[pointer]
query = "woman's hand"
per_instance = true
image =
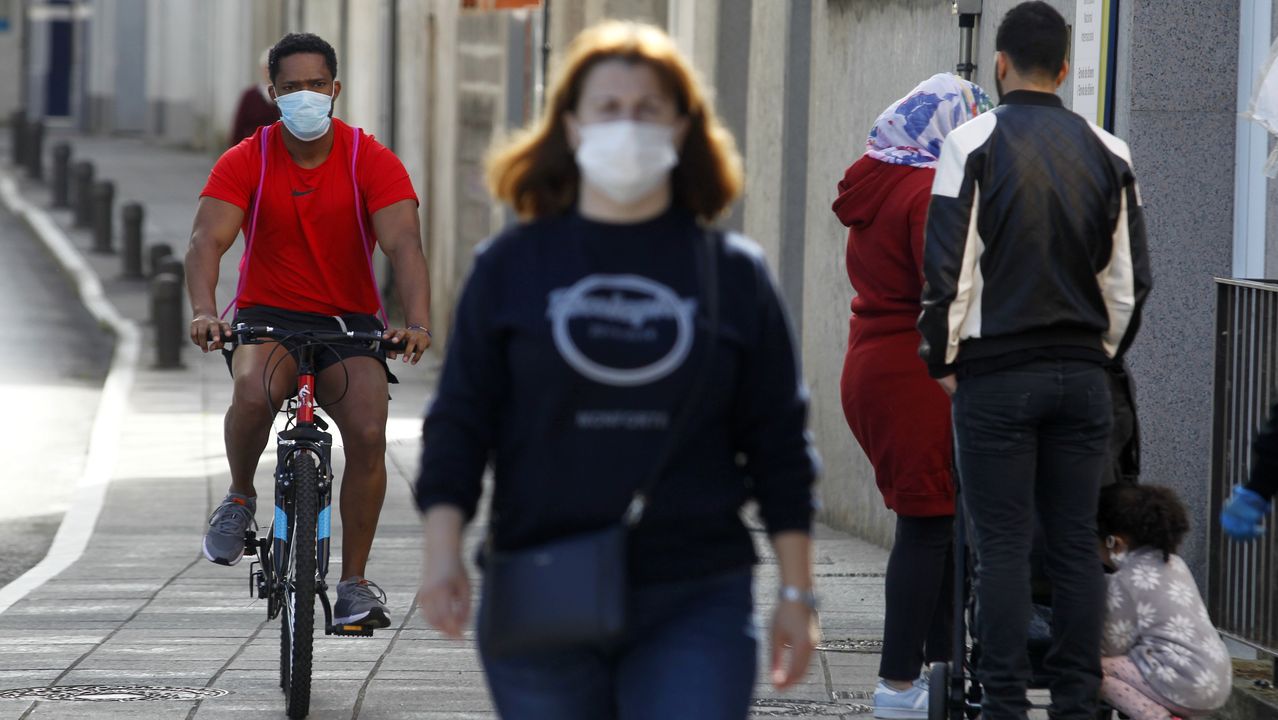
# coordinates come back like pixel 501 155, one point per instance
pixel 445 591
pixel 793 640
pixel 794 629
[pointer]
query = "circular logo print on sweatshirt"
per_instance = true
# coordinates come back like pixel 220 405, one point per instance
pixel 621 330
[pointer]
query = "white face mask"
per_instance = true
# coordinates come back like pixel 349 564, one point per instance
pixel 305 113
pixel 626 160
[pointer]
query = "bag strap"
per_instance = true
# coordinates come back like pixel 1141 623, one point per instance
pixel 708 268
pixel 363 232
pixel 252 232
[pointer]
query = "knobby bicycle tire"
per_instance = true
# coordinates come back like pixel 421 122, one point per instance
pixel 298 624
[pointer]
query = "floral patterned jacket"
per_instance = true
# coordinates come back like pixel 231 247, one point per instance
pixel 1157 618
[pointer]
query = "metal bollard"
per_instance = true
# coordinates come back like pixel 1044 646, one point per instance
pixel 18 137
pixel 82 182
pixel 131 241
pixel 166 308
pixel 34 152
pixel 61 175
pixel 103 206
pixel 172 265
pixel 156 253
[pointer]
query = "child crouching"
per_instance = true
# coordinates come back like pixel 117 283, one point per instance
pixel 1162 657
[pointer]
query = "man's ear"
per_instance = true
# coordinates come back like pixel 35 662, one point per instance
pixel 270 90
pixel 337 90
pixel 1000 65
pixel 1064 73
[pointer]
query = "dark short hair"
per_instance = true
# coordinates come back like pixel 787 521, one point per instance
pixel 1147 515
pixel 296 43
pixel 1034 37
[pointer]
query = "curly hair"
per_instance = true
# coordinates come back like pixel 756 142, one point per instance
pixel 295 43
pixel 1146 515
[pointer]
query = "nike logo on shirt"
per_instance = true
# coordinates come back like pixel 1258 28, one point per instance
pixel 297 193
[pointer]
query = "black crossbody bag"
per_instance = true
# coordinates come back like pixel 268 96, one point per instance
pixel 573 592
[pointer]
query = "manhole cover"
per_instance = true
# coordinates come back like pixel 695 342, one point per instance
pixel 805 708
pixel 852 645
pixel 109 693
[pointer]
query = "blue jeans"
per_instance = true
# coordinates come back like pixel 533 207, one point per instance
pixel 690 653
pixel 1033 440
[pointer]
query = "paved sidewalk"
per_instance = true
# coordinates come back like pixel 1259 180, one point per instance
pixel 142 607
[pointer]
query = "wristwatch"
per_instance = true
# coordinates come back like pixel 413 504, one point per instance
pixel 790 593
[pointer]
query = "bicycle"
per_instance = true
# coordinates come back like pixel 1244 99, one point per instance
pixel 292 563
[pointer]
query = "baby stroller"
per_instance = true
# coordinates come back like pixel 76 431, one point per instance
pixel 954 692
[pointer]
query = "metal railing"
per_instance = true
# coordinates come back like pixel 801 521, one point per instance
pixel 1242 584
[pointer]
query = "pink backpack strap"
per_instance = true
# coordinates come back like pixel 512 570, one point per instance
pixel 363 232
pixel 252 232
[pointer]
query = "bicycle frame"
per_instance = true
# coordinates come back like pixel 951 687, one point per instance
pixel 307 434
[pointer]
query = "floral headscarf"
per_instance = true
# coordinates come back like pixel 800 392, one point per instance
pixel 912 130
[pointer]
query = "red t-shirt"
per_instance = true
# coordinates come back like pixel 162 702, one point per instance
pixel 307 254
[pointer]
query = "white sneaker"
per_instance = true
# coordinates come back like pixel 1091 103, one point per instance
pixel 908 704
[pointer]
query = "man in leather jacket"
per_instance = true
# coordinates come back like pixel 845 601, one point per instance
pixel 1036 272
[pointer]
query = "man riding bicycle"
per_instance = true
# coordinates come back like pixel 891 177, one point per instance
pixel 312 195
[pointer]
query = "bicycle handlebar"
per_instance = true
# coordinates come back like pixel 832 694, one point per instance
pixel 251 334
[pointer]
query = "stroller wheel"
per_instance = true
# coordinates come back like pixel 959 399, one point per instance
pixel 938 693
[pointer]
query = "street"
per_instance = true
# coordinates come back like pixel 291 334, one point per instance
pixel 53 358
pixel 997 194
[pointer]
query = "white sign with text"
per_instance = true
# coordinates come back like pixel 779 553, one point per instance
pixel 1087 60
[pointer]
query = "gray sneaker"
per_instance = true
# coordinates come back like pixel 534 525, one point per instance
pixel 224 541
pixel 360 602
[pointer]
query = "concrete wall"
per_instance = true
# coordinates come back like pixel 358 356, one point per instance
pixel 1183 65
pixel 1271 224
pixel 774 139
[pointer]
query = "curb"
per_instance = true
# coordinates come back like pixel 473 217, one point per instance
pixel 90 490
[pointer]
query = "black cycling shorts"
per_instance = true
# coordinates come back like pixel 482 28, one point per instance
pixel 325 356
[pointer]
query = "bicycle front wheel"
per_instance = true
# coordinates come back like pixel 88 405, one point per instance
pixel 297 626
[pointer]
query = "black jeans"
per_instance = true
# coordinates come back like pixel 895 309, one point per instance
pixel 1034 438
pixel 919 619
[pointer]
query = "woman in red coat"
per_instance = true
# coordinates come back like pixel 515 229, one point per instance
pixel 899 415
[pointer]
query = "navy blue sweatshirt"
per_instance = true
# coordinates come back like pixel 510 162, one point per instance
pixel 574 343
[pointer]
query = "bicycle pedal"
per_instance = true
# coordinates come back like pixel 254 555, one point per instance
pixel 350 630
pixel 250 542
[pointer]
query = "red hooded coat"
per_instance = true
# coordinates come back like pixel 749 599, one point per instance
pixel 899 415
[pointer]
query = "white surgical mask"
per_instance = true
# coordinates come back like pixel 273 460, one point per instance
pixel 305 113
pixel 626 160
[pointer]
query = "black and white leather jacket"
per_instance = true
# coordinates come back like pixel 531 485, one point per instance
pixel 1035 241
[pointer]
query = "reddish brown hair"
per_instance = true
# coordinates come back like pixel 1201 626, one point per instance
pixel 535 171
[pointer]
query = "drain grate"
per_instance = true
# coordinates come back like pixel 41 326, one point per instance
pixel 853 695
pixel 805 708
pixel 110 693
pixel 852 645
